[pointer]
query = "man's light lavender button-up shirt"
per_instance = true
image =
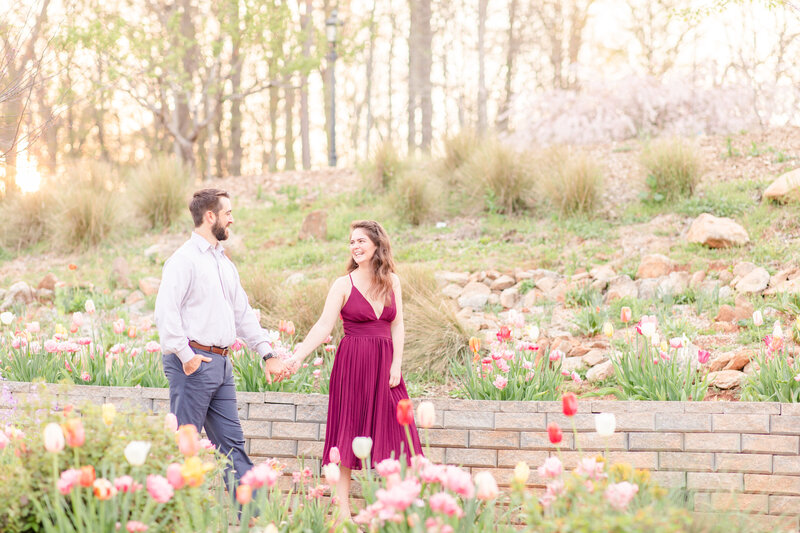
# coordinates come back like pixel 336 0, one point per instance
pixel 201 299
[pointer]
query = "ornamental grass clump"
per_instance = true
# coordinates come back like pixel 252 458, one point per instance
pixel 512 368
pixel 778 375
pixel 571 180
pixel 673 169
pixel 648 368
pixel 160 190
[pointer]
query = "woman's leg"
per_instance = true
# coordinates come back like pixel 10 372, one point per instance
pixel 343 494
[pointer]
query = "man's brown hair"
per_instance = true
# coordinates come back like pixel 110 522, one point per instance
pixel 205 200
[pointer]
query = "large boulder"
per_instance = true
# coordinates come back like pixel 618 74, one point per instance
pixel 502 282
pixel 600 372
pixel 20 292
pixel 725 379
pixel 48 282
pixel 120 273
pixel 474 295
pixel 149 285
pixel 716 232
pixel 620 287
pixel 785 187
pixel 315 226
pixel 753 282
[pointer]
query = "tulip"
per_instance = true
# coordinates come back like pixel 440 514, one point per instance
pixel 174 476
pixel 605 423
pixel 332 473
pixel 554 433
pixel 777 332
pixel 500 382
pixel 53 438
pixel 109 411
pixel 159 488
pixel 334 455
pixel 103 489
pixel 532 332
pixel 74 433
pixel 136 527
pixel 475 344
pixel 271 528
pixel 405 412
pixel 244 494
pixel 504 333
pixel 608 329
pixel 569 404
pixel 486 486
pixel 87 476
pixel 194 471
pixel 521 472
pixel 648 325
pixel 136 452
pixel 702 356
pixel 426 415
pixel 170 423
pixel 132 332
pixel 362 446
pixel 625 314
pixel 758 320
pixel 7 317
pixel 290 328
pixel 188 440
pixel 89 306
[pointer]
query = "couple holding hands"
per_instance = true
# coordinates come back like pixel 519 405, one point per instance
pixel 201 309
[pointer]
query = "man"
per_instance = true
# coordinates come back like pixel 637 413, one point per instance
pixel 201 309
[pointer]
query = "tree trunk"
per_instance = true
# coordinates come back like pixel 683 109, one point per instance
pixel 413 72
pixel 274 97
pixel 370 55
pixel 235 166
pixel 511 55
pixel 482 119
pixel 419 77
pixel 307 30
pixel 426 88
pixel 288 142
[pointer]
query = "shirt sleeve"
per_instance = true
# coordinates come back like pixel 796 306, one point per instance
pixel 175 280
pixel 247 326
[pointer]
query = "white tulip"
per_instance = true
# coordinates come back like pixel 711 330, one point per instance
pixel 7 317
pixel 426 414
pixel 53 438
pixel 605 423
pixel 532 332
pixel 362 446
pixel 777 332
pixel 332 473
pixel 758 319
pixel 136 452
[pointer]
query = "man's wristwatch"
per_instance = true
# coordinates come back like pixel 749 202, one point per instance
pixel 269 355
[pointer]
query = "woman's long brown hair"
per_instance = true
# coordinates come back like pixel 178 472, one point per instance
pixel 382 262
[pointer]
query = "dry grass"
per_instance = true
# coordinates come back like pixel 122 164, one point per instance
pixel 160 189
pixel 383 168
pixel 673 168
pixel 457 150
pixel 434 334
pixel 415 195
pixel 26 219
pixel 572 181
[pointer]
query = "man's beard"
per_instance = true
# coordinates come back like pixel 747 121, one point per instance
pixel 219 231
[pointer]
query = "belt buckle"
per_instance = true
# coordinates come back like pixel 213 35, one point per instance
pixel 224 351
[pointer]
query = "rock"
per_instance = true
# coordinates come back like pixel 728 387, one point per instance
pixel 134 297
pixel 697 278
pixel 294 279
pixel 725 293
pixel 452 290
pixel 784 187
pixel 315 226
pixel 492 274
pixel 654 266
pixel 675 283
pixel 750 368
pixel 739 360
pixel 743 268
pixel 708 287
pixel 503 282
pixel 159 252
pixel 647 288
pixel 457 278
pixel 149 286
pixel 509 297
pixel 594 357
pixel 725 327
pixel 753 282
pixel 725 379
pixel 48 282
pixel 559 292
pixel 744 309
pixel 494 299
pixel 726 313
pixel 726 277
pixel 120 273
pixel 719 361
pixel 603 273
pixel 570 364
pixel 474 294
pixel 789 286
pixel 20 292
pixel 521 275
pixel 532 297
pixel 716 232
pixel 600 372
pixel 621 287
pixel 546 284
pixel 45 295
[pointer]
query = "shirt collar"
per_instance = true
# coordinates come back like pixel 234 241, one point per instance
pixel 203 245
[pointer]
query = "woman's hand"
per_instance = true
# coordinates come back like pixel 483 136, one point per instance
pixel 394 375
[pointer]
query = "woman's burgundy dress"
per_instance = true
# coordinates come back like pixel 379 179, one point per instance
pixel 360 402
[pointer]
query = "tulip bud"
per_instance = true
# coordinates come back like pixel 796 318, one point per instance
pixel 426 415
pixel 475 344
pixel 54 440
pixel 758 319
pixel 486 486
pixel 605 423
pixel 334 455
pixel 777 332
pixel 521 472
pixel 625 314
pixel 332 473
pixel 554 433
pixel 569 404
pixel 170 423
pixel 608 329
pixel 405 412
pixel 109 411
pixel 362 446
pixel 244 494
pixel 136 452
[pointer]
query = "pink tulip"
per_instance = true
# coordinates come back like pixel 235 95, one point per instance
pixel 32 327
pixel 188 440
pixel 50 346
pixel 119 326
pixel 68 480
pixel 442 502
pixel 152 347
pixel 486 486
pixel 703 356
pixel 159 488
pixel 136 527
pixel 170 423
pixel 332 473
pixel 388 467
pixel 459 482
pixel 126 484
pixel 334 456
pixel 426 415
pixel 556 355
pixel 625 314
pixel 590 467
pixel 318 361
pixel 174 476
pixel 261 475
pixel 619 495
pixel 552 468
pixel 500 382
pixel 54 440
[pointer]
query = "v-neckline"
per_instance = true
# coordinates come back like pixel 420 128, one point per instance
pixel 377 316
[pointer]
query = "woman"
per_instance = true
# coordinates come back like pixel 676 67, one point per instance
pixel 366 382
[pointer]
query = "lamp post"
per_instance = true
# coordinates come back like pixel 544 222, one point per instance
pixel 330 32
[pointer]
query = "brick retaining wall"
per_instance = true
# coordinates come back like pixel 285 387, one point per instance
pixel 745 455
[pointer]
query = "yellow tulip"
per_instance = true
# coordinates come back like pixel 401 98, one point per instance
pixel 194 471
pixel 521 472
pixel 109 412
pixel 608 329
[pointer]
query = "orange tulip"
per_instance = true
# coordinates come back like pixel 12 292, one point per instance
pixel 132 332
pixel 74 434
pixel 188 440
pixel 87 476
pixel 625 314
pixel 475 344
pixel 244 493
pixel 405 412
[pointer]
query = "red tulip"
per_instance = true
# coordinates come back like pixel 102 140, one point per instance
pixel 569 404
pixel 504 333
pixel 87 476
pixel 554 433
pixel 74 434
pixel 405 412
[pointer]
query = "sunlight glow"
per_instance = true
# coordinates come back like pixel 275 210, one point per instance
pixel 28 177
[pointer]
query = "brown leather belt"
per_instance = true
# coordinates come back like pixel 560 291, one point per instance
pixel 213 349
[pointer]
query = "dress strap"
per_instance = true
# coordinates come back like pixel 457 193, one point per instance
pixel 350 275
